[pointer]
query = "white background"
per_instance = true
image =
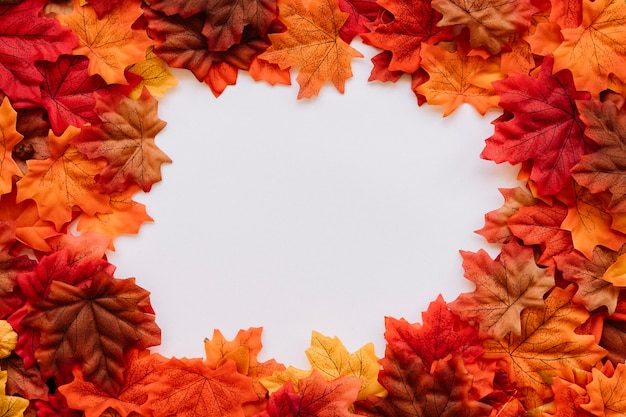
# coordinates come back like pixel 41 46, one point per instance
pixel 326 214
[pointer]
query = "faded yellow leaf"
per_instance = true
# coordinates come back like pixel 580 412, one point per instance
pixel 280 378
pixel 10 406
pixel 8 339
pixel 155 75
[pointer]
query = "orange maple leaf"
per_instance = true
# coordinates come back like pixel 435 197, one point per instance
pixel 9 137
pixel 548 346
pixel 607 393
pixel 30 229
pixel 504 287
pixel 312 43
pixel 110 43
pixel 64 180
pixel 457 78
pixel 597 47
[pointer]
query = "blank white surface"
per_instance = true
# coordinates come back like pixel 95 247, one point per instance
pixel 326 214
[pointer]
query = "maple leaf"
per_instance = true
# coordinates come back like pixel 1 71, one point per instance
pixel 589 222
pixel 154 76
pixel 68 92
pixel 8 339
pixel 603 170
pixel 504 287
pixel 361 16
pixel 491 22
pixel 9 137
pixel 456 78
pixel 141 371
pixel 26 383
pixel 567 14
pixel 545 128
pixel 189 388
pixel 548 347
pixel 56 406
pixel 607 394
pixel 64 180
pixel 314 397
pixel 441 334
pixel 312 43
pixel 10 406
pixel 27 36
pixel 225 20
pixel 110 44
pixel 93 326
pixel 125 138
pixel 331 359
pixel 597 47
pixel 415 392
pixel 496 229
pixel 568 398
pixel 613 333
pixel 593 291
pixel 540 224
pixel 11 298
pixel 30 229
pixel 414 23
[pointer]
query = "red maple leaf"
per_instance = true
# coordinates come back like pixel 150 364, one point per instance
pixel 496 228
pixel 361 17
pixel 26 36
pixel 314 397
pixel 441 334
pixel 22 381
pixel 545 128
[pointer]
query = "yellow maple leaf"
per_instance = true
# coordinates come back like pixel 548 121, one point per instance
pixel 8 339
pixel 10 406
pixel 155 76
pixel 312 43
pixel 110 43
pixel 9 137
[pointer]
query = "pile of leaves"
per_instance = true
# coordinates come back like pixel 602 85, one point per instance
pixel 542 334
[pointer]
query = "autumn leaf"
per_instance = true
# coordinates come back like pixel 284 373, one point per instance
pixel 491 22
pixel 312 43
pixel 613 333
pixel 189 388
pixel 545 128
pixel 597 47
pixel 93 326
pixel 604 170
pixel 8 339
pixel 331 359
pixel 456 78
pixel 154 74
pixel 589 222
pixel 607 394
pixel 64 180
pixel 111 44
pixel 442 334
pixel 567 13
pixel 21 381
pixel 68 94
pixel 225 19
pixel 27 36
pixel 10 406
pixel 362 15
pixel 9 137
pixel 496 229
pixel 444 392
pixel 10 266
pixel 593 291
pixel 125 138
pixel 568 398
pixel 414 23
pixel 504 287
pixel 314 397
pixel 540 224
pixel 548 347
pixel 141 371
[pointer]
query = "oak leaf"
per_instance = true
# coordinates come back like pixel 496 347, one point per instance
pixel 545 128
pixel 607 394
pixel 154 74
pixel 93 327
pixel 597 47
pixel 27 36
pixel 593 291
pixel 456 78
pixel 547 347
pixel 315 396
pixel 10 406
pixel 64 180
pixel 126 139
pixel 504 287
pixel 443 392
pixel 312 43
pixel 414 23
pixel 491 22
pixel 189 388
pixel 331 359
pixel 110 43
pixel 9 137
pixel 496 229
pixel 604 169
